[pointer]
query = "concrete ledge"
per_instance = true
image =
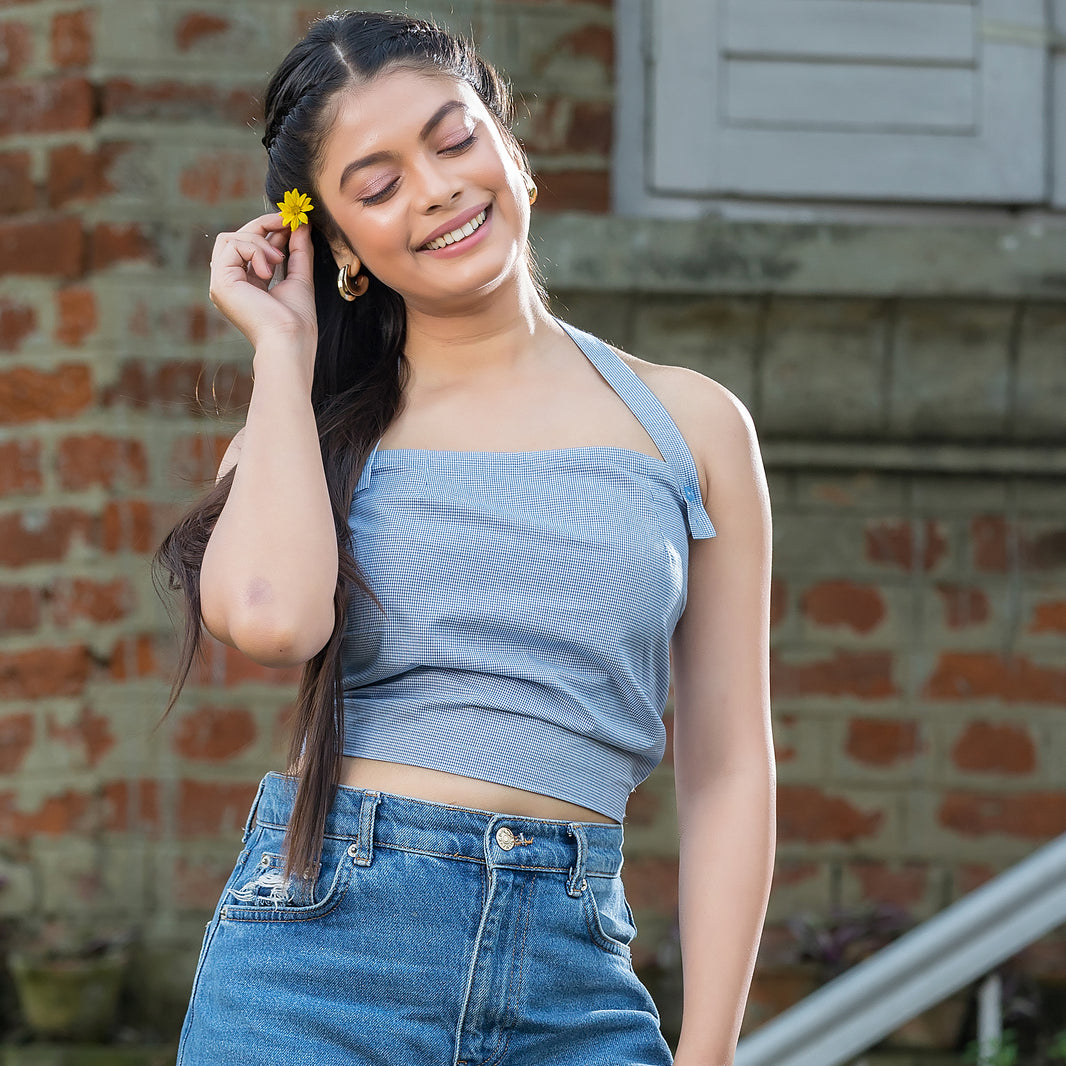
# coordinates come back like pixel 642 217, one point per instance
pixel 609 253
pixel 1032 460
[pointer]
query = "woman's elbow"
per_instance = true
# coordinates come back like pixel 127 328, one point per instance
pixel 275 641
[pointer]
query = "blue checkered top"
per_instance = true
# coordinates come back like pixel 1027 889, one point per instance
pixel 529 599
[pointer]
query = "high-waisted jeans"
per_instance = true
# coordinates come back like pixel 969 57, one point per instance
pixel 434 935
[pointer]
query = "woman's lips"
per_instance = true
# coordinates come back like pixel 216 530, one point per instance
pixel 450 251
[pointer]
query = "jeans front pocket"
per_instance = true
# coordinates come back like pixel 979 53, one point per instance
pixel 265 895
pixel 608 915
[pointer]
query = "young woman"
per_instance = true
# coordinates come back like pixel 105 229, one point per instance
pixel 483 531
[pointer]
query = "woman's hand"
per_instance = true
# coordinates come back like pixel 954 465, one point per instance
pixel 242 266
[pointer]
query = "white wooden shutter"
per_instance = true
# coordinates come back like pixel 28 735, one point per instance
pixel 936 100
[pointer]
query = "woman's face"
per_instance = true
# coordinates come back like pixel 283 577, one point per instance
pixel 410 157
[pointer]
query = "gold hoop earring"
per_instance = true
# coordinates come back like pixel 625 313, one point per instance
pixel 532 193
pixel 345 287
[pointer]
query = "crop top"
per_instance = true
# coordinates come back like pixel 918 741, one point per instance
pixel 529 600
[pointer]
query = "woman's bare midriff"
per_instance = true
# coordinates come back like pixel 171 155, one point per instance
pixel 438 786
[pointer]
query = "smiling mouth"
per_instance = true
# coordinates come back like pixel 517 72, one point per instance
pixel 457 235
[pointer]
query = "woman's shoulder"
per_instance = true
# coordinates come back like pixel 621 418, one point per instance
pixel 715 423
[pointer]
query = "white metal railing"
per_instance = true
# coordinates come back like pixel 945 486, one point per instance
pixel 945 953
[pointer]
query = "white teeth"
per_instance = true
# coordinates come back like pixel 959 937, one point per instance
pixel 458 234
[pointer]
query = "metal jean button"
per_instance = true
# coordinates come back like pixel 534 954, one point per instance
pixel 505 838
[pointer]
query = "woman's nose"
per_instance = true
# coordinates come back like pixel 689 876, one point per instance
pixel 436 186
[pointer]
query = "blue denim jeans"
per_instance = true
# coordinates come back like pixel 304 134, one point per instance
pixel 434 935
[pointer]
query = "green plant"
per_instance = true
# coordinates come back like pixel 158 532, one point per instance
pixel 1006 1051
pixel 1057 1046
pixel 1001 1052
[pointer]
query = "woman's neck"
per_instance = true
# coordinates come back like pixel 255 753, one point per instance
pixel 495 337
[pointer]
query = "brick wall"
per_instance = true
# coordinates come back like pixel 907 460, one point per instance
pixel 919 612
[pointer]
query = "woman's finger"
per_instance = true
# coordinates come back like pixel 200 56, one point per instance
pixel 299 264
pixel 235 250
pixel 264 225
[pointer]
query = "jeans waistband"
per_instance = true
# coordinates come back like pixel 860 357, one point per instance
pixel 370 818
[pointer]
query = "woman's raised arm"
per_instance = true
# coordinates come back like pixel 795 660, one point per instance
pixel 270 568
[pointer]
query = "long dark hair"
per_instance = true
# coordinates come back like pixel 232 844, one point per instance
pixel 360 368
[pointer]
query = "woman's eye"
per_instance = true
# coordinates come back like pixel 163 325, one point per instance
pixel 461 145
pixel 377 197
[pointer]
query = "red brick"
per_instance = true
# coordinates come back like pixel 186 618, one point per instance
pixel 215 177
pixel 963 605
pixel 896 543
pixel 166 100
pixel 73 174
pixel 881 741
pixel 809 814
pixel 76 313
pixel 1045 551
pixel 51 247
pixel 20 467
pixel 969 876
pixel 901 884
pixel 1026 815
pixel 47 106
pixel 843 603
pixel 131 806
pixel 181 387
pixel 79 598
pixel 93 459
pixel 594 41
pixel 995 748
pixel 196 459
pixel 17 182
pixel 40 672
pixel 209 808
pixel 652 884
pixel 89 732
pixel 784 752
pixel 643 807
pixel 215 733
pixel 132 525
pixel 16 48
pixel 961 675
pixel 988 536
pixel 16 739
pixel 29 395
pixel 573 190
pixel 42 536
pixel 794 871
pixel 862 673
pixel 141 656
pixel 20 610
pixel 1049 618
pixel 997 543
pixel 196 27
pixel 591 127
pixel 778 601
pixel 17 322
pixel 72 39
pixel 67 812
pixel 111 243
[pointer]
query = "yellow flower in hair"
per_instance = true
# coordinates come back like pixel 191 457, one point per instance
pixel 294 208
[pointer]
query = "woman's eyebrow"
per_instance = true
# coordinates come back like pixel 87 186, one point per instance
pixel 435 120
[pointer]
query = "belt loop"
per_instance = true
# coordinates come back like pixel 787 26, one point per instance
pixel 364 852
pixel 251 811
pixel 576 882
